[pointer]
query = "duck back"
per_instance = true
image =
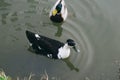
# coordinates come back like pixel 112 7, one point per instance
pixel 44 45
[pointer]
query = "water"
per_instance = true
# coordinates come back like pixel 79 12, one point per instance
pixel 93 24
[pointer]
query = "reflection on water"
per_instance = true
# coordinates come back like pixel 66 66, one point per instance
pixel 67 60
pixel 59 29
pixel 57 25
pixel 70 65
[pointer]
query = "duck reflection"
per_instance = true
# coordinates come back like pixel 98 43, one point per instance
pixel 70 65
pixel 67 61
pixel 59 29
pixel 58 25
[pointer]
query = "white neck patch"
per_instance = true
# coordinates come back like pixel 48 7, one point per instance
pixel 64 52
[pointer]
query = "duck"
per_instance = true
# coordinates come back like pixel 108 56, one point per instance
pixel 49 47
pixel 58 12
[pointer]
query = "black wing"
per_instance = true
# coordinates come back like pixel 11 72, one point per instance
pixel 50 46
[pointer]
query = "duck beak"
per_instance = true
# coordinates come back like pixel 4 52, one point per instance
pixel 54 12
pixel 74 47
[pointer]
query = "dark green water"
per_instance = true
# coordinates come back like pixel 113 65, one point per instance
pixel 93 24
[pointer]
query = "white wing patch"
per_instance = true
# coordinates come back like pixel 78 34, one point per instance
pixel 37 36
pixel 39 47
pixel 30 44
pixel 49 55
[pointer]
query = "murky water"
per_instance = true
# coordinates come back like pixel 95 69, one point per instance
pixel 93 24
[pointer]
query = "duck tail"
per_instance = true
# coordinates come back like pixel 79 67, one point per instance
pixel 30 36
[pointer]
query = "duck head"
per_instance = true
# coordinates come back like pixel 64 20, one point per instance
pixel 72 43
pixel 57 9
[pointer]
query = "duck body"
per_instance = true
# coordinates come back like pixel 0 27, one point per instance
pixel 59 12
pixel 48 47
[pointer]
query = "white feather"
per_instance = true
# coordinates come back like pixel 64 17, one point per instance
pixel 37 36
pixel 64 52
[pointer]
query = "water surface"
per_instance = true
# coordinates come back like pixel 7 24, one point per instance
pixel 93 24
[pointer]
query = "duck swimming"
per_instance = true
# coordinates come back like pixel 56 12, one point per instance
pixel 50 47
pixel 58 12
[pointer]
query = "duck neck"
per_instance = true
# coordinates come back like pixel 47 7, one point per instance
pixel 60 1
pixel 66 46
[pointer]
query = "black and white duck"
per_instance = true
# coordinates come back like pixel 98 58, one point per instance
pixel 50 47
